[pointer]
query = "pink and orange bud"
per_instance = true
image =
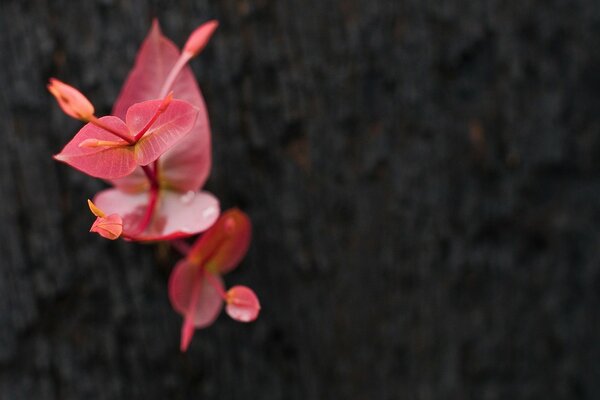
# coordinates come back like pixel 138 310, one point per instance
pixel 109 227
pixel 70 100
pixel 242 304
pixel 200 37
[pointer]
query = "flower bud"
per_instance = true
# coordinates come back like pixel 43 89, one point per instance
pixel 109 227
pixel 70 100
pixel 200 37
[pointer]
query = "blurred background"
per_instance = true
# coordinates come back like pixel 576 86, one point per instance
pixel 422 176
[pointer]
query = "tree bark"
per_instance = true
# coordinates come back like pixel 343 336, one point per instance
pixel 422 177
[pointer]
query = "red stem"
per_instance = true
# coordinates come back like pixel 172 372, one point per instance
pixel 149 210
pixel 181 246
pixel 152 176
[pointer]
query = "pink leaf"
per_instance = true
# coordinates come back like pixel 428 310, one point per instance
pixel 107 162
pixel 195 297
pixel 224 245
pixel 185 166
pixel 242 304
pixel 170 127
pixel 177 215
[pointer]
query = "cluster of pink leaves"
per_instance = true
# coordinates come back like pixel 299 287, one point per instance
pixel 155 150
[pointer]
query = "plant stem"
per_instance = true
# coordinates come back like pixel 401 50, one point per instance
pixel 181 61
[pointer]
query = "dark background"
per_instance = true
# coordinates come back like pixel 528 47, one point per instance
pixel 423 179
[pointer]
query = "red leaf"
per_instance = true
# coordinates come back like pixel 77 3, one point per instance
pixel 223 246
pixel 100 161
pixel 185 166
pixel 170 127
pixel 242 304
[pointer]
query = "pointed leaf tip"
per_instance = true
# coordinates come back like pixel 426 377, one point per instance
pixel 242 304
pixel 187 333
pixel 200 37
pixel 95 210
pixel 71 101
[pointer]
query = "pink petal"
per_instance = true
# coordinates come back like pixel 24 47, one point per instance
pixel 195 297
pixel 169 128
pixel 100 162
pixel 177 214
pixel 185 166
pixel 225 244
pixel 242 304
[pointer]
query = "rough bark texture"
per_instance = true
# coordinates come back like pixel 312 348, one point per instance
pixel 423 178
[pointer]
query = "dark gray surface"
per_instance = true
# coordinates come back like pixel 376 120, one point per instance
pixel 423 178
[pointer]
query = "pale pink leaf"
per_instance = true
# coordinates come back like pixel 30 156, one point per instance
pixel 242 304
pixel 170 127
pixel 176 215
pixel 107 162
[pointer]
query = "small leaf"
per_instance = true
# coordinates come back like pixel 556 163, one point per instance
pixel 98 161
pixel 170 127
pixel 194 296
pixel 242 304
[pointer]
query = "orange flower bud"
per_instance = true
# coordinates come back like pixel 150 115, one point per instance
pixel 200 37
pixel 109 227
pixel 70 100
